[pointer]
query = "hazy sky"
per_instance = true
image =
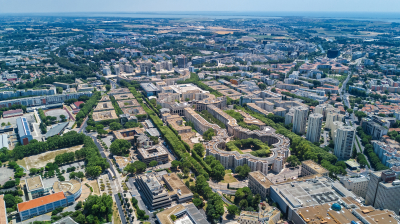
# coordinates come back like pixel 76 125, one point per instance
pixel 48 6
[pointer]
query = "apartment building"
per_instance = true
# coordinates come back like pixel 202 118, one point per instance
pixel 344 141
pixel 314 127
pixel 300 120
pixel 383 190
pixel 156 152
pixel 358 185
pixel 374 129
pixel 310 167
pixel 259 184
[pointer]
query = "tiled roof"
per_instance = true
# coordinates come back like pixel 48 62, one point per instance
pixel 40 201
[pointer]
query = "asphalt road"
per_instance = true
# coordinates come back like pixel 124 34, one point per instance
pixel 121 213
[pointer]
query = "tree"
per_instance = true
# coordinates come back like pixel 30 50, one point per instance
pixel 9 200
pixel 207 135
pixel 243 204
pixel 197 202
pixel 115 126
pixel 293 160
pixel 62 116
pixel 173 217
pixel 153 163
pixel 199 149
pixel 273 90
pixel 120 147
pixel 80 219
pixel 232 209
pixel 93 171
pixel 360 115
pixel 175 164
pixel 140 166
pixel 243 171
pixel 59 90
pixel 108 87
pixel 262 86
pixel 350 111
pixel 130 168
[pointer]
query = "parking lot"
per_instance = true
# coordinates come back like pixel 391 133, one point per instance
pixel 57 113
pixel 5 174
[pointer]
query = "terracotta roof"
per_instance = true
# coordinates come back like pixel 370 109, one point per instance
pixel 40 201
pixel 394 129
pixel 78 103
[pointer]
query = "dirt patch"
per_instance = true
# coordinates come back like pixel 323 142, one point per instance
pixel 246 150
pixel 38 161
pixel 85 193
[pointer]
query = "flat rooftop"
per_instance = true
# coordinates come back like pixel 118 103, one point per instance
pixel 191 210
pixel 34 183
pixel 118 91
pixel 128 134
pixel 176 184
pixel 104 106
pixel 182 88
pixel 308 193
pixel 128 103
pixel 154 151
pixel 315 166
pixel 70 187
pixel 133 110
pixel 3 213
pixel 318 213
pixel 124 96
pixel 104 115
pixel 122 161
pixel 104 98
pixel 261 179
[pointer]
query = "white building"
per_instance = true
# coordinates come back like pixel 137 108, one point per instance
pixel 300 119
pixel 314 127
pixel 344 142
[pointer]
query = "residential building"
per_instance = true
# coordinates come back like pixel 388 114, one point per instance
pixel 314 127
pixel 358 185
pixel 310 167
pixel 344 141
pixel 182 61
pixel 154 194
pixel 373 128
pixel 150 89
pixel 259 184
pixel 383 190
pixel 300 120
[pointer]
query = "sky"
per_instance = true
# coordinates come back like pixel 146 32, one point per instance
pixel 66 6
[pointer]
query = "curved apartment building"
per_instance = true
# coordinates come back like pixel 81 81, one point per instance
pixel 232 159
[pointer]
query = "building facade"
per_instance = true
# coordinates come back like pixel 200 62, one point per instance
pixel 344 141
pixel 300 120
pixel 314 127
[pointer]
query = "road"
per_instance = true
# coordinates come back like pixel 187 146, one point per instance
pixel 345 83
pixel 120 211
pixel 223 198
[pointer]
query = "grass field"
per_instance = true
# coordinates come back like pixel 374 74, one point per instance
pixel 228 178
pixel 38 161
pixel 95 187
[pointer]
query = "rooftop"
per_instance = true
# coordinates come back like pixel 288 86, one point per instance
pixel 176 184
pixel 154 151
pixel 190 209
pixel 33 183
pixel 124 96
pixel 55 130
pixel 68 187
pixel 40 201
pixel 315 166
pixel 3 213
pixel 104 115
pixel 261 179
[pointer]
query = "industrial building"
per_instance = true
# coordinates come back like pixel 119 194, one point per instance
pixel 57 129
pixel 307 193
pixel 13 113
pixel 24 132
pixel 154 194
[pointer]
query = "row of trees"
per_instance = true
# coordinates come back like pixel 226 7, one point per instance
pixel 369 150
pixel 85 110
